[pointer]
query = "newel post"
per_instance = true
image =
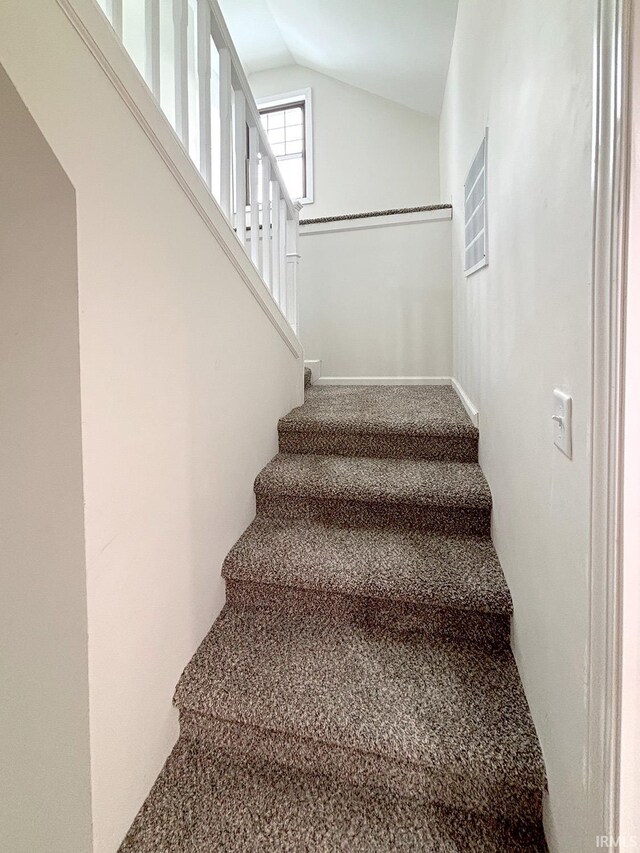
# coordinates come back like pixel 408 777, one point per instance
pixel 293 257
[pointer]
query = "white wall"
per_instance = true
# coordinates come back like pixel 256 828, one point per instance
pixel 45 805
pixel 183 378
pixel 376 302
pixel 372 302
pixel 522 327
pixel 369 153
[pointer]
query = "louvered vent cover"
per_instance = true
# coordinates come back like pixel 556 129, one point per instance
pixel 475 212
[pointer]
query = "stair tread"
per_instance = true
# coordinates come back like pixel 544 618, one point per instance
pixel 376 481
pixel 398 410
pixel 458 571
pixel 446 707
pixel 205 802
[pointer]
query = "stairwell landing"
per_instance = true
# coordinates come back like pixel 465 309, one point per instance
pixel 358 691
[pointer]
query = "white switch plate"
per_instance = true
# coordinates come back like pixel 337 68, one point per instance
pixel 562 421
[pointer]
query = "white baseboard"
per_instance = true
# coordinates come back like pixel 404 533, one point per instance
pixel 466 402
pixel 383 380
pixel 315 366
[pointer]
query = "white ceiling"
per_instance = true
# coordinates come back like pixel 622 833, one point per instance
pixel 395 48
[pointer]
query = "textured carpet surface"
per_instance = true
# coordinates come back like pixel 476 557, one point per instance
pixel 400 618
pixel 450 497
pixel 445 448
pixel 375 481
pixel 443 585
pixel 428 410
pixel 449 708
pixel 203 803
pixel 353 513
pixel 452 570
pixel 357 692
pixel 422 422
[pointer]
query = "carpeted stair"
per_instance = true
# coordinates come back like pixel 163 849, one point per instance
pixel 442 584
pixel 381 421
pixel 222 804
pixel 358 691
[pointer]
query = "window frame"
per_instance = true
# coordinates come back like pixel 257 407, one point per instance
pixel 287 99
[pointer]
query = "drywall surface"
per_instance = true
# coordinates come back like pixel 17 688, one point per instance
pixel 44 705
pixel 183 378
pixel 369 153
pixel 521 328
pixel 376 302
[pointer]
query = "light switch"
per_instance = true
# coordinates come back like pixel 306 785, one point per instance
pixel 562 421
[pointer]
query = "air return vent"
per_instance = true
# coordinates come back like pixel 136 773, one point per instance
pixel 475 212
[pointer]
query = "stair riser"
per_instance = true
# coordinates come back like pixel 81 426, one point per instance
pixel 486 630
pixel 434 448
pixel 485 796
pixel 454 519
pixel 209 802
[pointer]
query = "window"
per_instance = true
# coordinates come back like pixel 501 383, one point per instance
pixel 475 212
pixel 287 122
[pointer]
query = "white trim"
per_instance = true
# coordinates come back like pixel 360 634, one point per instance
pixel 470 409
pixel 315 366
pixel 282 101
pixel 482 263
pixel 375 222
pixel 611 158
pixel 384 380
pixel 91 25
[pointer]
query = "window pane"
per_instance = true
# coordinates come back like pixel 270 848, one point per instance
pixel 278 149
pixel 293 116
pixel 292 174
pixel 293 133
pixel 276 135
pixel 294 147
pixel 275 119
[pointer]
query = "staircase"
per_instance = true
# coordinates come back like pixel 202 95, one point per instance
pixel 358 691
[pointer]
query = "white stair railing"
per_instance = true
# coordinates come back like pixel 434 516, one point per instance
pixel 223 133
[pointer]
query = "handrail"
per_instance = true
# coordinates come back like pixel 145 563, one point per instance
pixel 371 214
pixel 245 179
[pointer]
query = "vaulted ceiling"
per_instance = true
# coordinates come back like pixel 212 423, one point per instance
pixel 398 49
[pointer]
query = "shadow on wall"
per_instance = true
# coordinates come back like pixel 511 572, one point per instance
pixel 43 618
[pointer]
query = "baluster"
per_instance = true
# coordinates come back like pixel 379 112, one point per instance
pixel 282 261
pixel 204 88
pixel 225 132
pixel 181 69
pixel 254 183
pixel 114 13
pixel 266 220
pixel 293 257
pixel 275 236
pixel 152 44
pixel 240 146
